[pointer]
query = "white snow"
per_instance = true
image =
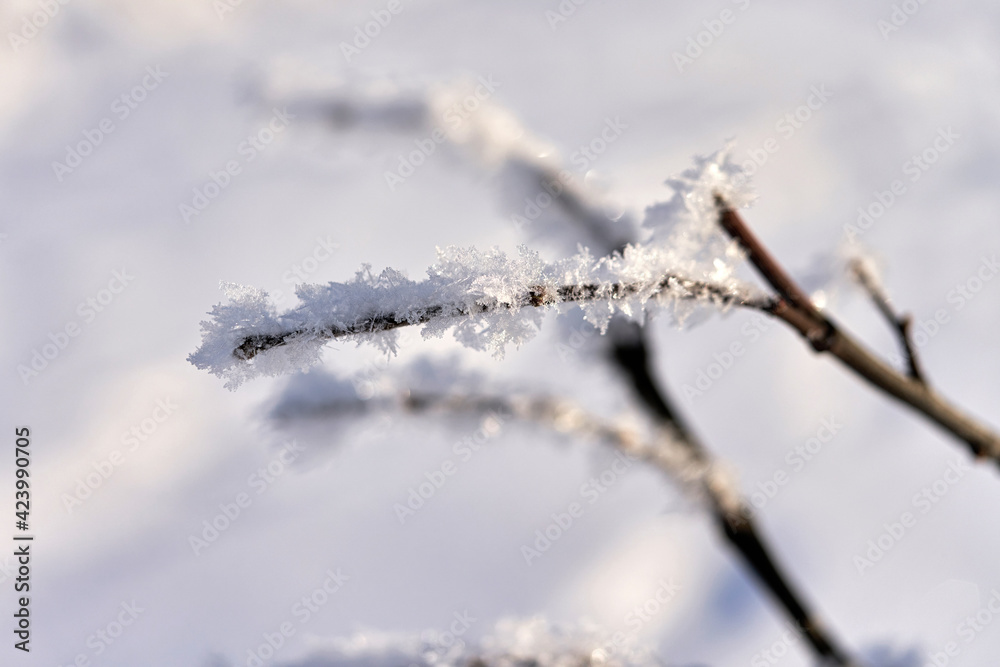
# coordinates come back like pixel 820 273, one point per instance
pixel 322 177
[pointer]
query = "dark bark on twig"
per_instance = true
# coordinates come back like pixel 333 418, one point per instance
pixel 743 536
pixel 630 352
pixel 538 296
pixel 731 516
pixel 736 527
pixel 825 336
pixel 901 323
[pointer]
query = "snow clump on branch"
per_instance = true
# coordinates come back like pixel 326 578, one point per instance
pixel 489 299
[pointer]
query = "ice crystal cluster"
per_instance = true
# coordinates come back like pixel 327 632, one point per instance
pixel 513 643
pixel 491 300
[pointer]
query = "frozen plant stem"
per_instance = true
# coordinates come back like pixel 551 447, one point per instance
pixel 674 452
pixel 901 323
pixel 733 518
pixel 538 296
pixel 801 314
pixel 629 351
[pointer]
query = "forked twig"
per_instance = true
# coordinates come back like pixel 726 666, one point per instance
pixel 674 452
pixel 630 353
pixel 734 519
pixel 825 336
pixel 629 350
pixel 901 323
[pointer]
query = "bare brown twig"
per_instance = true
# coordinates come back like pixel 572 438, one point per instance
pixel 825 336
pixel 733 517
pixel 630 352
pixel 901 323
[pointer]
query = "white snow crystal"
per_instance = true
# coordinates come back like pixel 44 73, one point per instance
pixel 487 297
pixel 688 221
pixel 514 643
pixel 249 312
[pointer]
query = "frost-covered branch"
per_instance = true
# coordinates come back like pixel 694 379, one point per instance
pixel 825 336
pixel 535 296
pixel 483 296
pixel 529 642
pixel 682 256
pixel 698 475
pixel 690 218
pixel 686 258
pixel 490 299
pixel 668 447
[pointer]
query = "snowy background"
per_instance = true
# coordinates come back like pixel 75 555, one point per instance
pixel 65 234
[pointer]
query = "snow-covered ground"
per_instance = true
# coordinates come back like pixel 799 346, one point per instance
pixel 146 154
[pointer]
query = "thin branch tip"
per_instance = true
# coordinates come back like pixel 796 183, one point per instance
pixel 901 323
pixel 797 310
